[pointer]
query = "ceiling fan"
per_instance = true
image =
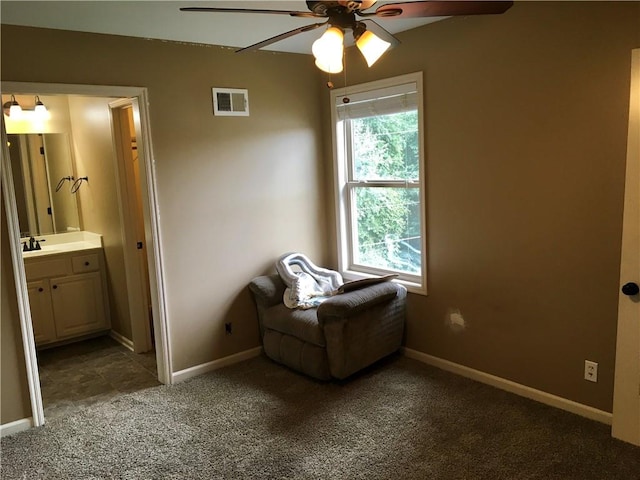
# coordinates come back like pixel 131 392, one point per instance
pixel 343 15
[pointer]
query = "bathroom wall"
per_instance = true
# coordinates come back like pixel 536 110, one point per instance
pixel 95 159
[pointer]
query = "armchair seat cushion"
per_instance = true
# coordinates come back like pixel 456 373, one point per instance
pixel 302 324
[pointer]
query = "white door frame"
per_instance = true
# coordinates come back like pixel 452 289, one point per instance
pixel 626 392
pixel 24 309
pixel 154 250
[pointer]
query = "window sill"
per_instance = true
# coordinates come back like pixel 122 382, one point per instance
pixel 412 287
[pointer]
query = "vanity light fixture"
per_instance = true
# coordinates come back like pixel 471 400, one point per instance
pixel 40 109
pixel 12 108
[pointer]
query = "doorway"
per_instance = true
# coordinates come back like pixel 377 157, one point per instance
pixel 155 283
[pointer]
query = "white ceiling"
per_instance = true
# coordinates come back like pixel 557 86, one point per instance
pixel 164 20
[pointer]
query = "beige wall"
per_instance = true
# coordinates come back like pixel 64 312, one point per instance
pixel 94 155
pixel 526 122
pixel 14 390
pixel 233 193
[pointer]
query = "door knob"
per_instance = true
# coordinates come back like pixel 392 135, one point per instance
pixel 630 289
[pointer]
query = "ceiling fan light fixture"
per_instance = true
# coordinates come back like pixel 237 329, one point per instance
pixel 329 65
pixel 328 50
pixel 329 43
pixel 371 46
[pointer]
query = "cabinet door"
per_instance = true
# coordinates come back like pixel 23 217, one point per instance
pixel 44 330
pixel 78 304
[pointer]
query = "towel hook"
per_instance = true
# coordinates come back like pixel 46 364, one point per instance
pixel 61 182
pixel 76 185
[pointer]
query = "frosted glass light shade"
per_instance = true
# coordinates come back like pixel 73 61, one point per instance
pixel 329 65
pixel 371 46
pixel 40 109
pixel 328 50
pixel 15 110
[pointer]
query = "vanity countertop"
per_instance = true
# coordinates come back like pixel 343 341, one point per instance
pixel 65 243
pixel 60 248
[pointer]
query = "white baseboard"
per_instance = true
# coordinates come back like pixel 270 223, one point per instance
pixel 513 387
pixel 15 427
pixel 182 375
pixel 124 341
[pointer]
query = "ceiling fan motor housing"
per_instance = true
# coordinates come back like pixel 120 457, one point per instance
pixel 329 7
pixel 319 8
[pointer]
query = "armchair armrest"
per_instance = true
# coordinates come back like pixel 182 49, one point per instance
pixel 352 303
pixel 267 290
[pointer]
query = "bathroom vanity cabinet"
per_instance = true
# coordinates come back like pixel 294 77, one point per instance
pixel 67 293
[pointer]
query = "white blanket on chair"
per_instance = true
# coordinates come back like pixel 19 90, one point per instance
pixel 308 287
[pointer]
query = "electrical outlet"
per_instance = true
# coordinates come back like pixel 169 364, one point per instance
pixel 590 371
pixel 227 328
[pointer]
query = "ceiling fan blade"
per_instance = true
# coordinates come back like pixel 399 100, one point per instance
pixel 282 36
pixel 381 32
pixel 250 10
pixel 441 8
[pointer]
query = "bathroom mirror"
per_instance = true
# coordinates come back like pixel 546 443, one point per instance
pixel 43 174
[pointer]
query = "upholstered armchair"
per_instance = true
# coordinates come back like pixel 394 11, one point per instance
pixel 344 334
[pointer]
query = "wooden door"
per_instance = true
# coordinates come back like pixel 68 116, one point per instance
pixel 134 236
pixel 626 398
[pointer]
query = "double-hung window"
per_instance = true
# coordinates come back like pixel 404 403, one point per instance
pixel 378 148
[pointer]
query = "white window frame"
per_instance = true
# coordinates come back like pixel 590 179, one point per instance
pixel 344 232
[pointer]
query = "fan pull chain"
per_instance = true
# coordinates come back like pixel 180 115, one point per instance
pixel 345 99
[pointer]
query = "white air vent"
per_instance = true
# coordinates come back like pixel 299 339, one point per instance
pixel 231 102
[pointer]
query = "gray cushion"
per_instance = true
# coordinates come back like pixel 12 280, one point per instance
pixel 302 324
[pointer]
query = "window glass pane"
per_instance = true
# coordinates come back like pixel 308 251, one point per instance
pixel 385 147
pixel 387 222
